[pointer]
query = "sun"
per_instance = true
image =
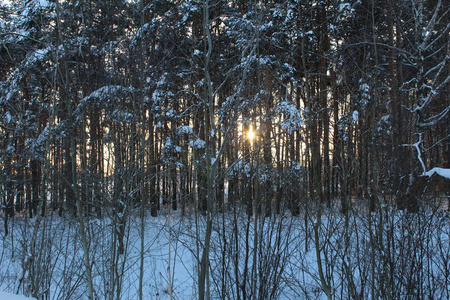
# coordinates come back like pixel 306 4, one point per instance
pixel 251 135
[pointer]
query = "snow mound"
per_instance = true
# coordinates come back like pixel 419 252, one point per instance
pixel 440 171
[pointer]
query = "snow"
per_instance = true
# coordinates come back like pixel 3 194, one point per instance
pixel 197 144
pixel 292 116
pixel 345 7
pixel 285 254
pixel 7 117
pixel 105 94
pixel 168 143
pixel 385 118
pixel 8 296
pixel 44 3
pixel 440 171
pixel 162 81
pixel 178 149
pixel 122 116
pixel 355 116
pixel 296 166
pixel 185 130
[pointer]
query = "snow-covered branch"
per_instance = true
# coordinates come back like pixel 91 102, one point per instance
pixel 419 153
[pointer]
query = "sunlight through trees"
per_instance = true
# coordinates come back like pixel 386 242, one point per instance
pixel 278 108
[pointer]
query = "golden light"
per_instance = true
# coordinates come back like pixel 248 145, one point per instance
pixel 251 135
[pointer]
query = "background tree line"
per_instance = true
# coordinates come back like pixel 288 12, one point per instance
pixel 107 105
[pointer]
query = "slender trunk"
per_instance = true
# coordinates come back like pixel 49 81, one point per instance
pixel 82 228
pixel 211 159
pixel 326 287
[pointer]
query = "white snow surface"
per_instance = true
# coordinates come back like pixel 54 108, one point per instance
pixel 8 296
pixel 169 246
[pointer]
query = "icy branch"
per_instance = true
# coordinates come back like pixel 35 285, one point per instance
pixel 419 153
pixel 440 171
pixel 435 119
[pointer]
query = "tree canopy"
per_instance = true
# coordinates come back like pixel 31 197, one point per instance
pixel 120 103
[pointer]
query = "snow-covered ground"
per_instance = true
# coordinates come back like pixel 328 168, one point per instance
pixel 280 257
pixel 8 296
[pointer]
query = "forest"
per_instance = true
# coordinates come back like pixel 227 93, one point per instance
pixel 243 117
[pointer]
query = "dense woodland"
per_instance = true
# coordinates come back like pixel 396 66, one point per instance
pixel 255 110
pixel 114 103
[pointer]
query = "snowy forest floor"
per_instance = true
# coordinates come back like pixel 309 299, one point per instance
pixel 321 254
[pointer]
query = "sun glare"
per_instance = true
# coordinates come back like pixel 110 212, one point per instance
pixel 251 135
